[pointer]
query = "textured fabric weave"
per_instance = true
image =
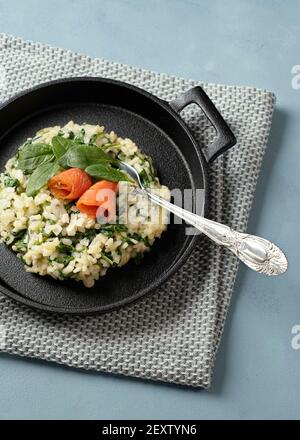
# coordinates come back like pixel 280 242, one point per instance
pixel 172 335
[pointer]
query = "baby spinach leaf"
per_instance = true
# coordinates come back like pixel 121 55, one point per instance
pixel 81 156
pixel 25 144
pixel 40 177
pixel 60 145
pixel 105 171
pixel 33 155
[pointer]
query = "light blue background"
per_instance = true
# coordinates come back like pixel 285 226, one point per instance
pixel 245 42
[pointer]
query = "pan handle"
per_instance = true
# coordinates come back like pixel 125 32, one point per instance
pixel 225 138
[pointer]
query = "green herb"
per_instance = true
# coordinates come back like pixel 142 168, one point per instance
pixel 49 235
pixel 34 155
pixel 137 238
pixel 130 240
pixel 105 171
pixel 65 248
pixel 110 229
pixel 19 240
pixel 80 136
pixel 90 234
pixel 20 246
pixel 110 145
pixel 40 177
pixel 81 156
pixel 93 138
pixel 71 134
pixel 141 157
pixel 24 262
pixel 108 258
pixel 133 238
pixel 60 145
pixel 145 178
pixel 11 182
pixel 64 275
pixel 51 222
pixel 20 235
pixel 65 260
pixel 152 170
pixel 121 156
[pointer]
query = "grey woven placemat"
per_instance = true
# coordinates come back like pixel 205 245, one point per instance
pixel 172 335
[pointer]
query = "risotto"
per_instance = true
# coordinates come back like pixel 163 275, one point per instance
pixel 53 229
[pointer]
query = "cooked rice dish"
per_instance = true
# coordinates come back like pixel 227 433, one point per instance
pixel 53 229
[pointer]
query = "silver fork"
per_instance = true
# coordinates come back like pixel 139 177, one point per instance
pixel 257 253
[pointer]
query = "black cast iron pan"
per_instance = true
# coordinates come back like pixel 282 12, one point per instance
pixel 157 128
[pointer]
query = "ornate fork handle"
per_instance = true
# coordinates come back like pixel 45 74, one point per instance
pixel 258 253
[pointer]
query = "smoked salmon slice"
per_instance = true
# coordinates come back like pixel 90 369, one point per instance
pixel 70 184
pixel 101 194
